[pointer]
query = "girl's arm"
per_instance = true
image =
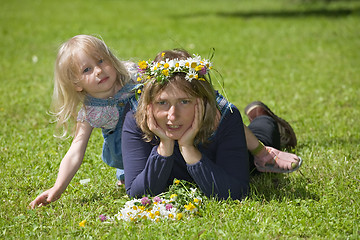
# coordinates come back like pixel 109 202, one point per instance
pixel 68 167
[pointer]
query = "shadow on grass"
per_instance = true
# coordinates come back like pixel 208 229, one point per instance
pixel 102 196
pixel 271 186
pixel 323 12
pixel 331 13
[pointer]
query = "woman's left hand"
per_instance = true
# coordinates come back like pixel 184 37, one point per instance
pixel 186 143
pixel 188 137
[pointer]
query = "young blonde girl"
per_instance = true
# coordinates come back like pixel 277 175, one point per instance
pixel 87 74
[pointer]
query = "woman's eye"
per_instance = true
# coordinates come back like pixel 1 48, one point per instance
pixel 86 70
pixel 185 101
pixel 101 61
pixel 161 102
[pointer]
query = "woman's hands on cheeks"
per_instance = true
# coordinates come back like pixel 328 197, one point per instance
pixel 188 137
pixel 186 143
pixel 166 146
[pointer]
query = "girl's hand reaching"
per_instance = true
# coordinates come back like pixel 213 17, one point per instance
pixel 45 198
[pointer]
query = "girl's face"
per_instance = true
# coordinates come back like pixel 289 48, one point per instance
pixel 97 77
pixel 174 111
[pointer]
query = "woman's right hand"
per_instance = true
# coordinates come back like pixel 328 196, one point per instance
pixel 45 198
pixel 166 146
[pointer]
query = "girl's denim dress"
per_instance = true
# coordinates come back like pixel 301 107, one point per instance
pixel 100 114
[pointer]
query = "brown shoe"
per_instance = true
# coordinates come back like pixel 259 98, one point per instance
pixel 287 134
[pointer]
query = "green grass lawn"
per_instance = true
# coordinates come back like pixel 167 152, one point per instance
pixel 301 58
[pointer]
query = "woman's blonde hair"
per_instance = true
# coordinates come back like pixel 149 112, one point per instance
pixel 195 88
pixel 66 99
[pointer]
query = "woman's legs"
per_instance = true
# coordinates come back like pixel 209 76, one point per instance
pixel 287 134
pixel 274 133
pixel 266 130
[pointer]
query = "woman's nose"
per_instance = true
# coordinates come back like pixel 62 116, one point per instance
pixel 172 113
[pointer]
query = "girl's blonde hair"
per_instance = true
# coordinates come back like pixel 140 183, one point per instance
pixel 66 99
pixel 195 88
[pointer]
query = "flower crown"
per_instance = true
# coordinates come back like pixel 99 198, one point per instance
pixel 194 67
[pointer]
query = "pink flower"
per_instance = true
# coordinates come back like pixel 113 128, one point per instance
pixel 202 71
pixel 102 218
pixel 145 201
pixel 168 206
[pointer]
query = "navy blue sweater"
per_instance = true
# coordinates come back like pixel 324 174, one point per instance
pixel 222 172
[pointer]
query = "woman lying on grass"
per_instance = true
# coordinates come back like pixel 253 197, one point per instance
pixel 184 129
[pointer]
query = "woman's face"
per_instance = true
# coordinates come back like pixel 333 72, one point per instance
pixel 174 111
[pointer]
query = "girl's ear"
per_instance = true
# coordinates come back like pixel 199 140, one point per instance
pixel 78 88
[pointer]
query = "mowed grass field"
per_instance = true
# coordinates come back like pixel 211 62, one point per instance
pixel 301 58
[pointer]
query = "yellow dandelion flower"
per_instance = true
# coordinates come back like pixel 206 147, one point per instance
pixel 152 216
pixel 142 65
pixel 202 79
pixel 170 215
pixel 165 72
pixel 158 220
pixel 157 213
pixel 198 67
pixel 189 207
pixel 138 79
pixel 196 200
pixel 139 91
pixel 82 223
pixel 162 54
pixel 177 181
pixel 179 216
pixel 173 195
pixel 166 65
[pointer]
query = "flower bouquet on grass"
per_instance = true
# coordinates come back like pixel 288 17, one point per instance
pixel 183 200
